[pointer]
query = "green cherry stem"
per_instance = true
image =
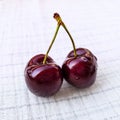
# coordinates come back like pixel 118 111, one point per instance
pixel 54 37
pixel 59 20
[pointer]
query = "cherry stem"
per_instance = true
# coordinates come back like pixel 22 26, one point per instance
pixel 54 37
pixel 59 20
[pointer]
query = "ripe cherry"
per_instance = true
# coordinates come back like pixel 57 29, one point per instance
pixel 80 66
pixel 43 77
pixel 80 71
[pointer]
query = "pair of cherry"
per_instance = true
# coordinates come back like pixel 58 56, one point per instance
pixel 44 78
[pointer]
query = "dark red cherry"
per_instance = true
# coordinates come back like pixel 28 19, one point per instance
pixel 80 71
pixel 43 79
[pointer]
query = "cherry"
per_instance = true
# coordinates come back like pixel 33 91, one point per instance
pixel 80 71
pixel 80 66
pixel 43 77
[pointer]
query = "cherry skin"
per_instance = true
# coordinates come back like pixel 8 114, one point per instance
pixel 80 71
pixel 43 79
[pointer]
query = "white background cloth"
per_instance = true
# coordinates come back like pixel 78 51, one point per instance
pixel 26 29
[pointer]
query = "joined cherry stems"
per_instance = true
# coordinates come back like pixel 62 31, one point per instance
pixel 59 23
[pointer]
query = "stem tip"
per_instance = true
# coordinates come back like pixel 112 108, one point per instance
pixel 56 15
pixel 58 18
